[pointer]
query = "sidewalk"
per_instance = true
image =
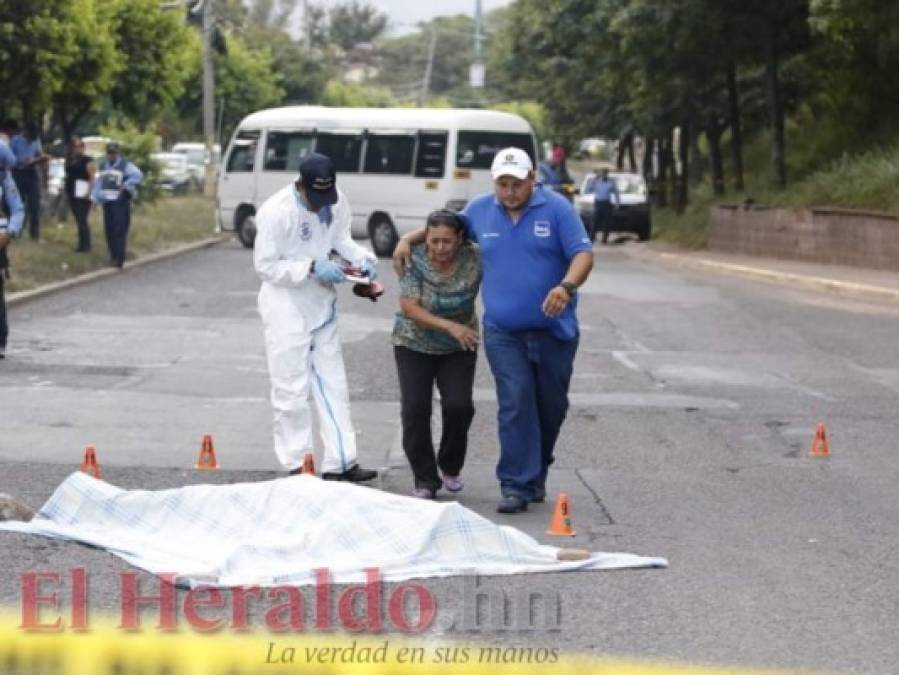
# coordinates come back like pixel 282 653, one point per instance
pixel 849 281
pixel 57 286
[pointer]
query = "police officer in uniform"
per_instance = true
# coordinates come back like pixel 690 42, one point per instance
pixel 11 216
pixel 114 188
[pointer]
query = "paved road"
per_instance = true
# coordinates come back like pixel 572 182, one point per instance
pixel 694 402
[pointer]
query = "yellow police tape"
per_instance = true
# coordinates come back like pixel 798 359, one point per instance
pixel 105 649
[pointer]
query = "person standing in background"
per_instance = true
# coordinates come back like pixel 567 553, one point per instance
pixel 11 216
pixel 114 188
pixel 605 201
pixel 80 172
pixel 26 146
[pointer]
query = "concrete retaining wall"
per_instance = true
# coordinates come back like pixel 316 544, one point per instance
pixel 836 236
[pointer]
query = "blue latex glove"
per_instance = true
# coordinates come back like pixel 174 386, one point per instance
pixel 369 269
pixel 329 271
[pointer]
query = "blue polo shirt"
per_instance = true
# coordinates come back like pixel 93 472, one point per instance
pixel 522 261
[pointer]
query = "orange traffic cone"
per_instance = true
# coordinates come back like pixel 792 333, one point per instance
pixel 89 463
pixel 309 464
pixel 561 522
pixel 207 460
pixel 820 446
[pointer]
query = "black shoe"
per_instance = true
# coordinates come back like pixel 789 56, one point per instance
pixel 295 472
pixel 539 495
pixel 512 504
pixel 355 474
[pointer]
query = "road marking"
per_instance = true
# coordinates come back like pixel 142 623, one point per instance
pixel 624 360
pixel 631 400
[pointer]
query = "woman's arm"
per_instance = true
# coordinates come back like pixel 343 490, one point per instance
pixel 467 338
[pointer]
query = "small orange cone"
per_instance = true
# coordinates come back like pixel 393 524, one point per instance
pixel 89 463
pixel 820 446
pixel 309 464
pixel 561 522
pixel 207 460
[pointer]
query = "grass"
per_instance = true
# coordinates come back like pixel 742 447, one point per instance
pixel 163 224
pixel 867 180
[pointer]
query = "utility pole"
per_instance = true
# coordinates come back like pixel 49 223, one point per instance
pixel 476 72
pixel 208 23
pixel 429 68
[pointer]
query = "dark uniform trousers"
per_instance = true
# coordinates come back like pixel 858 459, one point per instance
pixel 116 221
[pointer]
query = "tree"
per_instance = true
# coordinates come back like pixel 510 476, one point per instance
pixel 37 48
pixel 151 45
pixel 88 77
pixel 355 22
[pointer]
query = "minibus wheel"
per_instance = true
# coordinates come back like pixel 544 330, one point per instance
pixel 383 235
pixel 246 229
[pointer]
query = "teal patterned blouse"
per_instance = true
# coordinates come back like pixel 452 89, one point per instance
pixel 450 296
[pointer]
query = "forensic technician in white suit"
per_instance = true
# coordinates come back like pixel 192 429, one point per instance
pixel 297 229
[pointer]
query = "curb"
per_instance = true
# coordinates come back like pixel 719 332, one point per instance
pixel 57 286
pixel 835 286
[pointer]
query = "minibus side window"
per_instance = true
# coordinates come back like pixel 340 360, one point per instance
pixel 243 152
pixel 431 158
pixel 284 150
pixel 475 149
pixel 343 149
pixel 389 154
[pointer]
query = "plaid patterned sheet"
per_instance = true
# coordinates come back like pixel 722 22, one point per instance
pixel 280 531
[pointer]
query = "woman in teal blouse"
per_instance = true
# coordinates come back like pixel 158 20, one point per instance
pixel 435 340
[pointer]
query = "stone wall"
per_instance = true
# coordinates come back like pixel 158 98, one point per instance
pixel 836 236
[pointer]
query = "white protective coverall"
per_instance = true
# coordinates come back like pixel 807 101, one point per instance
pixel 299 313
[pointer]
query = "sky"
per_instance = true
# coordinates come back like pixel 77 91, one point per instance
pixel 405 14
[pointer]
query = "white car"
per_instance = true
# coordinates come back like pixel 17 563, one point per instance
pixel 633 213
pixel 197 160
pixel 174 174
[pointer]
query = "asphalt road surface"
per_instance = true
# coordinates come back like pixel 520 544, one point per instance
pixel 694 402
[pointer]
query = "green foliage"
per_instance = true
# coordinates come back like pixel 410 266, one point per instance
pixel 246 82
pixel 150 44
pixel 89 75
pixel 37 46
pixel 137 145
pixel 349 95
pixel 532 111
pixel 355 22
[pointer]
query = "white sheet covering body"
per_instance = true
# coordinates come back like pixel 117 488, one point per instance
pixel 281 531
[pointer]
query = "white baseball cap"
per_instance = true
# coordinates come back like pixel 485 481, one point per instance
pixel 511 162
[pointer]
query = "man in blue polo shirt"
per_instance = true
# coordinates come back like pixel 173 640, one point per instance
pixel 535 253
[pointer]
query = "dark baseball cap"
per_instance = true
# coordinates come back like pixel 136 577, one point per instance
pixel 319 179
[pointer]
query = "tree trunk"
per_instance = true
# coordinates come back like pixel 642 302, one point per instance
pixel 713 133
pixel 631 156
pixel 775 110
pixel 736 126
pixel 622 149
pixel 648 175
pixel 666 167
pixel 683 184
pixel 648 149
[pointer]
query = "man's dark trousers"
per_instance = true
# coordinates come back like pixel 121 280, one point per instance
pixel 4 325
pixel 28 182
pixel 532 370
pixel 116 221
pixel 602 219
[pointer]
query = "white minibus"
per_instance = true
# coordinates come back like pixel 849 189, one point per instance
pixel 395 165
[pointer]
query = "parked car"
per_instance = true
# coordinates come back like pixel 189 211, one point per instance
pixel 174 175
pixel 197 159
pixel 633 213
pixel 53 199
